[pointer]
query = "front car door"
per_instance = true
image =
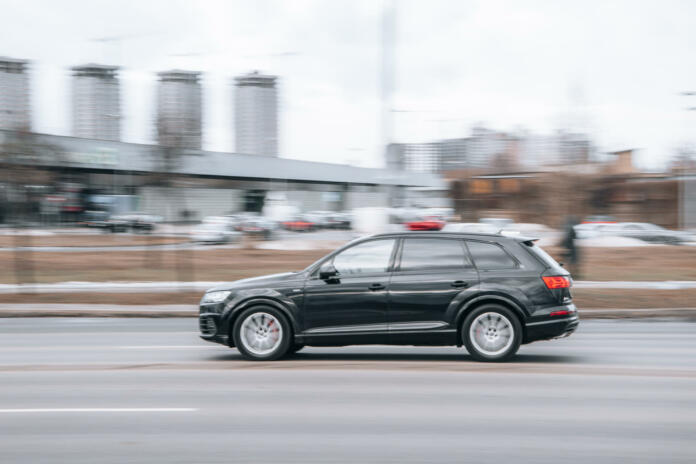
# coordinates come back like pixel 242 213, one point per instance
pixel 352 307
pixel 432 277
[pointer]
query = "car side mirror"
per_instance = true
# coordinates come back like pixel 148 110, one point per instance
pixel 328 272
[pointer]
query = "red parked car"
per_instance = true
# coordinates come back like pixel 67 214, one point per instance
pixel 429 223
pixel 299 225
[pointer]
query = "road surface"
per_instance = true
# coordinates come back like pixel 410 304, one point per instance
pixel 148 390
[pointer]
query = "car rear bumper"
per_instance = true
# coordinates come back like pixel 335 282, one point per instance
pixel 553 327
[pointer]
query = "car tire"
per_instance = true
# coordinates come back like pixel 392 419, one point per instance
pixel 255 330
pixel 491 333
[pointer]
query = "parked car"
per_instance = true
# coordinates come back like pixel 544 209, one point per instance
pixel 590 229
pixel 498 223
pixel 470 227
pixel 426 223
pixel 321 219
pixel 640 230
pixel 258 226
pixel 488 292
pixel 300 224
pixel 95 218
pixel 135 221
pixel 341 221
pixel 599 219
pixel 216 229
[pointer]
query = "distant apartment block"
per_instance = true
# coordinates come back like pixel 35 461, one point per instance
pixel 15 110
pixel 486 150
pixel 179 109
pixel 256 114
pixel 414 157
pixel 96 102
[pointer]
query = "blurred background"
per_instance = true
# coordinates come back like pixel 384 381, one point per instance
pixel 155 129
pixel 150 150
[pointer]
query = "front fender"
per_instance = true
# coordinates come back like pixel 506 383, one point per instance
pixel 247 298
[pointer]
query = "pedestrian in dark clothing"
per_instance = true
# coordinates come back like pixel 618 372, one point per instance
pixel 571 253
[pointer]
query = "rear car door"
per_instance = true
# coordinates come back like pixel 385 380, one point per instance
pixel 352 307
pixel 506 269
pixel 431 276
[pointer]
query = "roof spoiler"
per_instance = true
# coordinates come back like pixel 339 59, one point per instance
pixel 515 235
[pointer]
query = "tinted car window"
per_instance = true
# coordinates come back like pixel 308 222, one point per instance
pixel 432 253
pixel 489 256
pixel 368 257
pixel 542 255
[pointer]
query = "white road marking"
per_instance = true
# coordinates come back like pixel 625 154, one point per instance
pixel 108 347
pixel 60 410
pixel 166 347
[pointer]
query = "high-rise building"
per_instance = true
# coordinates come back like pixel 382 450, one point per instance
pixel 15 111
pixel 416 157
pixel 96 102
pixel 454 154
pixel 179 109
pixel 256 114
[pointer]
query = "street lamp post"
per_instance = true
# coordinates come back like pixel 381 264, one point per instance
pixel 681 178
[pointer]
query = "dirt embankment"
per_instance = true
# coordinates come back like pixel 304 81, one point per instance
pixel 86 240
pixel 605 264
pixel 640 264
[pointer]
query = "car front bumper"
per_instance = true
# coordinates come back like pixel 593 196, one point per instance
pixel 211 325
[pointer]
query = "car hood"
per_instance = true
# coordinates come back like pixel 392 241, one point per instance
pixel 262 281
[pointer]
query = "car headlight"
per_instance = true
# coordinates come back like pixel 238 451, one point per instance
pixel 215 297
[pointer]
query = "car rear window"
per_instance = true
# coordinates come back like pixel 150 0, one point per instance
pixel 541 254
pixel 488 256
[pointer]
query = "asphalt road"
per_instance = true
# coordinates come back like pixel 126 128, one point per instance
pixel 148 390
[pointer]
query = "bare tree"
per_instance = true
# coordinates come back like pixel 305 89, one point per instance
pixel 21 156
pixel 168 159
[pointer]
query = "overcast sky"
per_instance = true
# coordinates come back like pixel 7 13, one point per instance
pixel 613 68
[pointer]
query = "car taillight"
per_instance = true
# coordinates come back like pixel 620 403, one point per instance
pixel 562 312
pixel 554 282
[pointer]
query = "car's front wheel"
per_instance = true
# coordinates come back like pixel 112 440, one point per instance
pixel 492 333
pixel 262 333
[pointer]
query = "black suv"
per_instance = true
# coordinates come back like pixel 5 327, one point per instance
pixel 488 292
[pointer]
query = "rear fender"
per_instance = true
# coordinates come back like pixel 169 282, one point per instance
pixel 493 298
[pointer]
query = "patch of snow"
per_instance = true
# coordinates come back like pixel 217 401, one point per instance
pixel 613 242
pixel 298 245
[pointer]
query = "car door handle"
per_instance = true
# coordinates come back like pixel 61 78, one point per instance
pixel 460 283
pixel 377 287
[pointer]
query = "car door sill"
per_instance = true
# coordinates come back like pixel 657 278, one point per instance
pixel 422 325
pixel 365 328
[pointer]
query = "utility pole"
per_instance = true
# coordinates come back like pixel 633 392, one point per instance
pixel 387 73
pixel 683 190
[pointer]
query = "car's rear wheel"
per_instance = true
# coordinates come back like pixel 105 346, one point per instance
pixel 262 333
pixel 492 333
